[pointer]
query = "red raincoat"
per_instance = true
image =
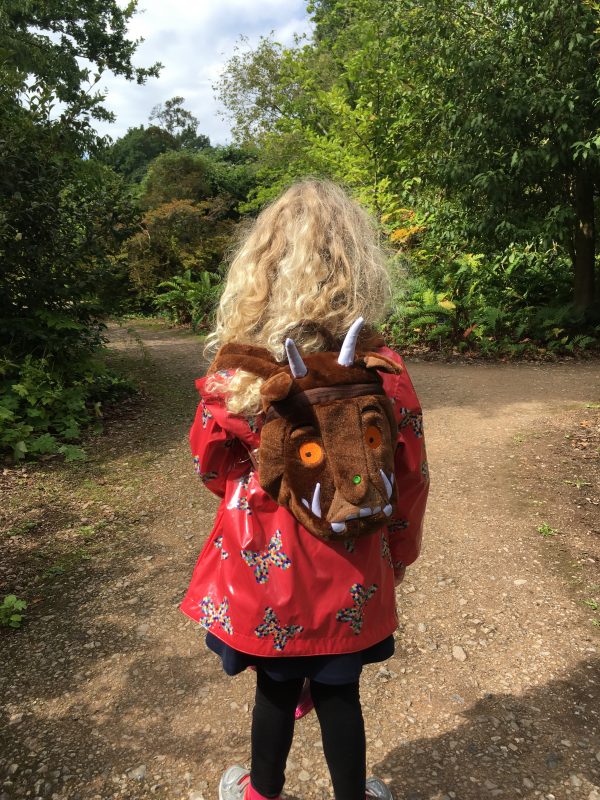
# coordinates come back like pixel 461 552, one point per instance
pixel 266 586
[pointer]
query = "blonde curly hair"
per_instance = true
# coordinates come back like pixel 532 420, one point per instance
pixel 312 255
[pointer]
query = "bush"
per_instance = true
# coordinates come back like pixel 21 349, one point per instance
pixel 44 409
pixel 190 299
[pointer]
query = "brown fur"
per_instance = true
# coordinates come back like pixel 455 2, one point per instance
pixel 338 425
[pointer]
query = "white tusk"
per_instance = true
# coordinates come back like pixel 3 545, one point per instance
pixel 346 357
pixel 364 512
pixel 388 510
pixel 316 501
pixel 297 366
pixel 306 503
pixel 376 510
pixel 388 485
pixel 338 527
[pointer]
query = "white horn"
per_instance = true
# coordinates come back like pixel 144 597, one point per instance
pixel 346 357
pixel 297 366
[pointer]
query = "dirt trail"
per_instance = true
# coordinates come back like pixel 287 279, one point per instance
pixel 108 691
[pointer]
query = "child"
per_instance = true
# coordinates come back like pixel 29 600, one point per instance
pixel 272 595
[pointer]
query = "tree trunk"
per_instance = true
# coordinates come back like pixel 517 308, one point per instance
pixel 584 262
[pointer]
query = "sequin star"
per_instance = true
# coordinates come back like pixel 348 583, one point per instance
pixel 218 543
pixel 385 549
pixel 354 614
pixel 262 561
pixel 213 615
pixel 281 633
pixel 410 419
pixel 206 414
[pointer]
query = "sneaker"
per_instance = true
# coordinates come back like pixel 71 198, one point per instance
pixel 233 783
pixel 377 790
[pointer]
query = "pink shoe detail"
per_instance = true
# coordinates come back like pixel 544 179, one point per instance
pixel 305 702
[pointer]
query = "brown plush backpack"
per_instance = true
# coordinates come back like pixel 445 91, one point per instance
pixel 329 435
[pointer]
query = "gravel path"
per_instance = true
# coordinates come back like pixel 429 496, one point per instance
pixel 109 692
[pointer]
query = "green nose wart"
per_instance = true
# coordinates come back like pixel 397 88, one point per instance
pixel 357 479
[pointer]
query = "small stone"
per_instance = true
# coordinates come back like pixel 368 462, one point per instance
pixel 566 743
pixel 14 719
pixel 552 760
pixel 195 796
pixel 303 776
pixel 528 783
pixel 594 794
pixel 137 774
pixel 598 756
pixel 520 582
pixel 458 653
pixel 143 629
pixel 421 627
pixel 575 781
pixel 12 769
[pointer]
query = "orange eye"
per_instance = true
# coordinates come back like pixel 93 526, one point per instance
pixel 311 453
pixel 373 437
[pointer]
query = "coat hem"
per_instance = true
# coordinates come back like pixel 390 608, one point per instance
pixel 309 646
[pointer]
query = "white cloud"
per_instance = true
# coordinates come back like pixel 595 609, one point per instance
pixel 193 40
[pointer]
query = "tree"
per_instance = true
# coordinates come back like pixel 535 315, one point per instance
pixel 62 216
pixel 131 154
pixel 180 123
pixel 514 91
pixel 177 175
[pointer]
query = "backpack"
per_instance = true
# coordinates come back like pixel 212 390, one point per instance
pixel 329 434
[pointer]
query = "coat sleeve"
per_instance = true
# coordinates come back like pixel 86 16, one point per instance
pixel 405 528
pixel 216 449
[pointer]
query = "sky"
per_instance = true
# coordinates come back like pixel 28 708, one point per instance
pixel 193 39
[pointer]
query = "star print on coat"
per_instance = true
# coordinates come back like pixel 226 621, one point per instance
pixel 385 549
pixel 245 479
pixel 281 633
pixel 211 614
pixel 397 525
pixel 272 556
pixel 206 414
pixel 354 614
pixel 205 477
pixel 409 419
pixel 425 470
pixel 218 543
pixel 242 504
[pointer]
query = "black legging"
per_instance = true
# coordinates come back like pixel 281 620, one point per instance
pixel 342 730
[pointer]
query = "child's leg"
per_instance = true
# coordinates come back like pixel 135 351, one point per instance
pixel 343 732
pixel 272 732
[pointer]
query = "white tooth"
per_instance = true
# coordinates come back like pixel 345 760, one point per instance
pixel 364 512
pixel 316 501
pixel 387 510
pixel 351 516
pixel 376 510
pixel 388 485
pixel 306 503
pixel 338 527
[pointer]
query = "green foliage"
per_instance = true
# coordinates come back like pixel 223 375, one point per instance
pixel 177 176
pixel 190 299
pixel 175 237
pixel 43 409
pixel 63 217
pixel 495 108
pixel 180 123
pixel 546 530
pixel 10 609
pixel 131 154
